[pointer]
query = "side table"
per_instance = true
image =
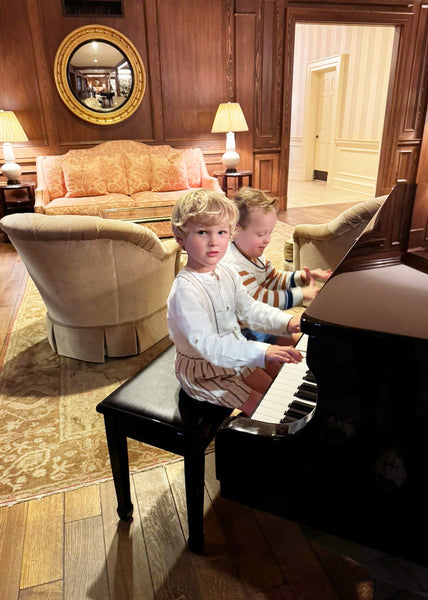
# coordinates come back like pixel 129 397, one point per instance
pixel 238 176
pixel 17 198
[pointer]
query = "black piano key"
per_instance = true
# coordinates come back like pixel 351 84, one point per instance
pixel 306 395
pixel 294 414
pixel 298 406
pixel 309 377
pixel 308 387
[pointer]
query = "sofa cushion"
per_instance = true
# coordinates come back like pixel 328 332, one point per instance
pixel 151 198
pixel 168 171
pixel 193 163
pixel 84 177
pixel 115 174
pixel 87 206
pixel 137 166
pixel 54 176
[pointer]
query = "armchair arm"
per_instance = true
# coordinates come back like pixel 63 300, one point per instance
pixel 319 231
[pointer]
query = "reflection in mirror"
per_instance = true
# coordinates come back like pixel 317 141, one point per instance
pixel 100 76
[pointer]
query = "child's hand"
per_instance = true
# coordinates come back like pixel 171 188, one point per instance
pixel 294 325
pixel 317 274
pixel 321 274
pixel 282 354
pixel 310 290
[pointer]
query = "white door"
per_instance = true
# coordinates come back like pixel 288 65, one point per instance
pixel 325 117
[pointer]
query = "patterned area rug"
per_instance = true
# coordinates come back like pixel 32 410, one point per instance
pixel 51 436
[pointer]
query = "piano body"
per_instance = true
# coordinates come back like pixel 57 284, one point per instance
pixel 356 465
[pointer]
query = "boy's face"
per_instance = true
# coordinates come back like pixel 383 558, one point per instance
pixel 253 240
pixel 205 244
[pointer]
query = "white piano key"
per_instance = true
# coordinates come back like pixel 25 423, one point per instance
pixel 280 395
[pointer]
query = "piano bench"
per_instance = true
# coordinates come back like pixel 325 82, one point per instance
pixel 172 421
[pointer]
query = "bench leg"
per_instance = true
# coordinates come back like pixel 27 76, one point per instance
pixel 194 473
pixel 118 451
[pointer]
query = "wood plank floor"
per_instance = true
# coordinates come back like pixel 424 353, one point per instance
pixel 72 546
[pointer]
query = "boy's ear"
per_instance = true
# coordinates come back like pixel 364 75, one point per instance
pixel 180 241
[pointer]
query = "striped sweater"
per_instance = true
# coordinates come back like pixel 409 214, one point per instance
pixel 265 283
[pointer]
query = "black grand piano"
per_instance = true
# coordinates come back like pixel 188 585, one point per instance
pixel 348 451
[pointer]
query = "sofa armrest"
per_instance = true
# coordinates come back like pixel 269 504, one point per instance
pixel 42 199
pixel 211 183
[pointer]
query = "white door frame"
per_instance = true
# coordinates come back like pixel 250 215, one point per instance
pixel 337 62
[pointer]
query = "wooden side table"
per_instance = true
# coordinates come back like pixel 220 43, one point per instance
pixel 235 176
pixel 17 198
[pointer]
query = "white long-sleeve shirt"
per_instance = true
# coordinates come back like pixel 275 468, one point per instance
pixel 204 315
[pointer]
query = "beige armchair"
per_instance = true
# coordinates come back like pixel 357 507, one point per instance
pixel 324 245
pixel 105 283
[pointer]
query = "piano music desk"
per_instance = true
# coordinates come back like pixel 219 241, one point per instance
pixel 151 408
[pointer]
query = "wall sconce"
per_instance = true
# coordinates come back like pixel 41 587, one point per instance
pixel 10 131
pixel 229 119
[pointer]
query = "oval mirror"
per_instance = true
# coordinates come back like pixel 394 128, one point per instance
pixel 99 74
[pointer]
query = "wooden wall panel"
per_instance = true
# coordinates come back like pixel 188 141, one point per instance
pixel 245 31
pixel 193 73
pixel 407 162
pixel 269 69
pixel 266 169
pixel 422 175
pixel 18 74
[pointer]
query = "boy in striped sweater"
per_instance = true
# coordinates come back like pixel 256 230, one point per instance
pixel 283 289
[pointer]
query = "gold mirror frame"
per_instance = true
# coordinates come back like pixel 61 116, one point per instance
pixel 104 34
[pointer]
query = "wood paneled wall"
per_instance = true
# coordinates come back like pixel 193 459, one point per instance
pixel 198 53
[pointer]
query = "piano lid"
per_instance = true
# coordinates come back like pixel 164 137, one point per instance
pixel 381 284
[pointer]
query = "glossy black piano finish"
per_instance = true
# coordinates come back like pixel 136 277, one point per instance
pixel 358 468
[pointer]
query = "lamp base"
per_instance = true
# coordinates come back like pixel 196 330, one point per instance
pixel 12 171
pixel 231 170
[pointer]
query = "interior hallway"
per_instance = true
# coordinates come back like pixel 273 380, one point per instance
pixel 316 192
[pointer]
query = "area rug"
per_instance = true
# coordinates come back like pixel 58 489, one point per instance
pixel 51 436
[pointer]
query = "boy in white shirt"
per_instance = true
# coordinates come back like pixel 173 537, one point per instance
pixel 214 361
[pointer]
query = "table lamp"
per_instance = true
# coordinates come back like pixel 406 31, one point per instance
pixel 10 131
pixel 229 119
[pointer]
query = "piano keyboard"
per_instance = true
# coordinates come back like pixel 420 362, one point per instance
pixel 292 395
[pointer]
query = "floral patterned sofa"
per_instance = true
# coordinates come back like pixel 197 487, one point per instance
pixel 115 174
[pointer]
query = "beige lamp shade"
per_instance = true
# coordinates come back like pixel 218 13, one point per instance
pixel 10 128
pixel 10 131
pixel 229 118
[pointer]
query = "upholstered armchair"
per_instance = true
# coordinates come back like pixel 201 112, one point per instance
pixel 324 245
pixel 104 282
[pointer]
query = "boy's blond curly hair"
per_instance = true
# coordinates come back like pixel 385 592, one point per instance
pixel 247 199
pixel 202 206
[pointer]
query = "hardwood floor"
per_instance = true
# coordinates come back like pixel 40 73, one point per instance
pixel 71 545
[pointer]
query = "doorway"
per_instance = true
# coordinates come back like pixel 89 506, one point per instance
pixel 339 95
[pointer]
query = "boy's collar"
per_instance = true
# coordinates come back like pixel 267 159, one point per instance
pixel 256 261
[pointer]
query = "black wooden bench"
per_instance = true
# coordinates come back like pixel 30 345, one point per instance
pixel 150 407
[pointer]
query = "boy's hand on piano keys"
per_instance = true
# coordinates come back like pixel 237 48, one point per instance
pixel 310 290
pixel 282 354
pixel 318 274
